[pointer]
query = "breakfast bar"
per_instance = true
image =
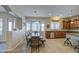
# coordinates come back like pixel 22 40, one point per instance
pixel 73 37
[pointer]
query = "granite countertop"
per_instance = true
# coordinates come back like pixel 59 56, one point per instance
pixel 74 34
pixel 65 30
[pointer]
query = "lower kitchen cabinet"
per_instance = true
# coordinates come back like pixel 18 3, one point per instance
pixel 49 35
pixel 55 34
pixel 59 34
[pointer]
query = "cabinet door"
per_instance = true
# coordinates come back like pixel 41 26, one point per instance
pixel 72 25
pixel 52 35
pixel 77 23
pixel 47 35
pixel 59 34
pixel 66 25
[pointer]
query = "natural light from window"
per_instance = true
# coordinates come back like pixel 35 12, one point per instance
pixel 34 26
pixel 55 25
pixel 10 26
pixel 1 26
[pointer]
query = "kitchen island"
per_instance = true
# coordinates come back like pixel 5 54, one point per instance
pixel 73 37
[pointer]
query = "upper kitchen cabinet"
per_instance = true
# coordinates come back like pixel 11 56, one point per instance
pixel 77 23
pixel 74 24
pixel 66 24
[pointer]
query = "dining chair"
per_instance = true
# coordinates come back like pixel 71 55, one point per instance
pixel 27 40
pixel 35 44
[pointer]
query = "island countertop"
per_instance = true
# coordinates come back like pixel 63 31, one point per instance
pixel 65 30
pixel 74 34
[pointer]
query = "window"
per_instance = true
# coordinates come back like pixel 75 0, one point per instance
pixel 42 27
pixel 1 26
pixel 55 25
pixel 10 26
pixel 34 26
pixel 28 26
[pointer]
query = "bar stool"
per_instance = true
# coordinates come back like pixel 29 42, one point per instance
pixel 34 44
pixel 77 46
pixel 68 42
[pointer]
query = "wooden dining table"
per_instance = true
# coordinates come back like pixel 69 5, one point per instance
pixel 39 38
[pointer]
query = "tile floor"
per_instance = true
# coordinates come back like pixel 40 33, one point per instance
pixel 3 47
pixel 51 46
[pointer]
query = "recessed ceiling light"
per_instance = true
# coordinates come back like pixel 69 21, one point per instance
pixel 35 11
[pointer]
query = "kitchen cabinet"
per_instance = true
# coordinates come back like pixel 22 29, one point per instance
pixel 66 24
pixel 47 34
pixel 55 34
pixel 77 23
pixel 60 34
pixel 72 24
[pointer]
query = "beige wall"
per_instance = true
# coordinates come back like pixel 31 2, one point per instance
pixel 45 21
pixel 4 16
pixel 16 35
pixel 49 22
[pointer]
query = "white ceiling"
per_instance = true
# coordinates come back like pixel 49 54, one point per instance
pixel 2 9
pixel 45 10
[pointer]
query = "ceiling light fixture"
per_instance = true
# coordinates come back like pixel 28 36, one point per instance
pixel 35 13
pixel 71 22
pixel 55 18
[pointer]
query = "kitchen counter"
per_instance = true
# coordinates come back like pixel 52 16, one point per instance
pixel 71 30
pixel 73 37
pixel 60 33
pixel 74 34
